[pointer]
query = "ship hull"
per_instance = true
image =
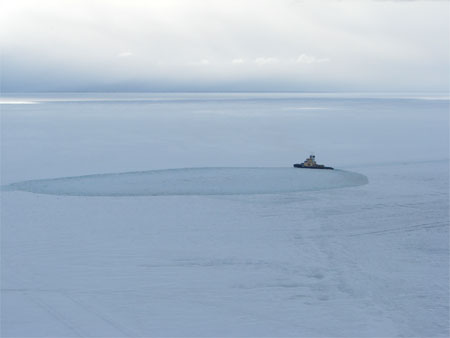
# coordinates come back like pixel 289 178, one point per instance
pixel 297 165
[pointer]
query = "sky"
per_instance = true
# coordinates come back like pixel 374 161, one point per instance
pixel 224 45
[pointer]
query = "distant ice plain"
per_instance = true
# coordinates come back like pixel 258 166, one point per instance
pixel 369 260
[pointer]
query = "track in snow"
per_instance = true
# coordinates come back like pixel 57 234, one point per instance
pixel 195 181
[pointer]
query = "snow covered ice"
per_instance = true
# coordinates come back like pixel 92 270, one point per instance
pixel 146 251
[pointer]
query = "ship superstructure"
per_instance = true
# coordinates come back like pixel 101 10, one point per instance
pixel 310 163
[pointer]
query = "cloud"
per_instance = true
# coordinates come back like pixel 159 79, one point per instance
pixel 125 54
pixel 261 61
pixel 304 58
pixel 201 62
pixel 364 45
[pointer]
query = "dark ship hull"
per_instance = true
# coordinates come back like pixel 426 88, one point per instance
pixel 301 165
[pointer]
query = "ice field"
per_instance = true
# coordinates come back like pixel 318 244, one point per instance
pixel 195 181
pixel 137 215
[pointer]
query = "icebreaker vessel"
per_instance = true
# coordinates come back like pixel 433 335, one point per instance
pixel 310 163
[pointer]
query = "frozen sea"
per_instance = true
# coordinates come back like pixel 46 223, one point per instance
pixel 144 215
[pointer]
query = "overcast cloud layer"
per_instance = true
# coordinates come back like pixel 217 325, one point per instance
pixel 253 45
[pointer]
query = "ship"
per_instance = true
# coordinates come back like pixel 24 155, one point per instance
pixel 310 163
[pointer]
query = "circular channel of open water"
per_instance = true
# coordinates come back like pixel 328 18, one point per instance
pixel 195 181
